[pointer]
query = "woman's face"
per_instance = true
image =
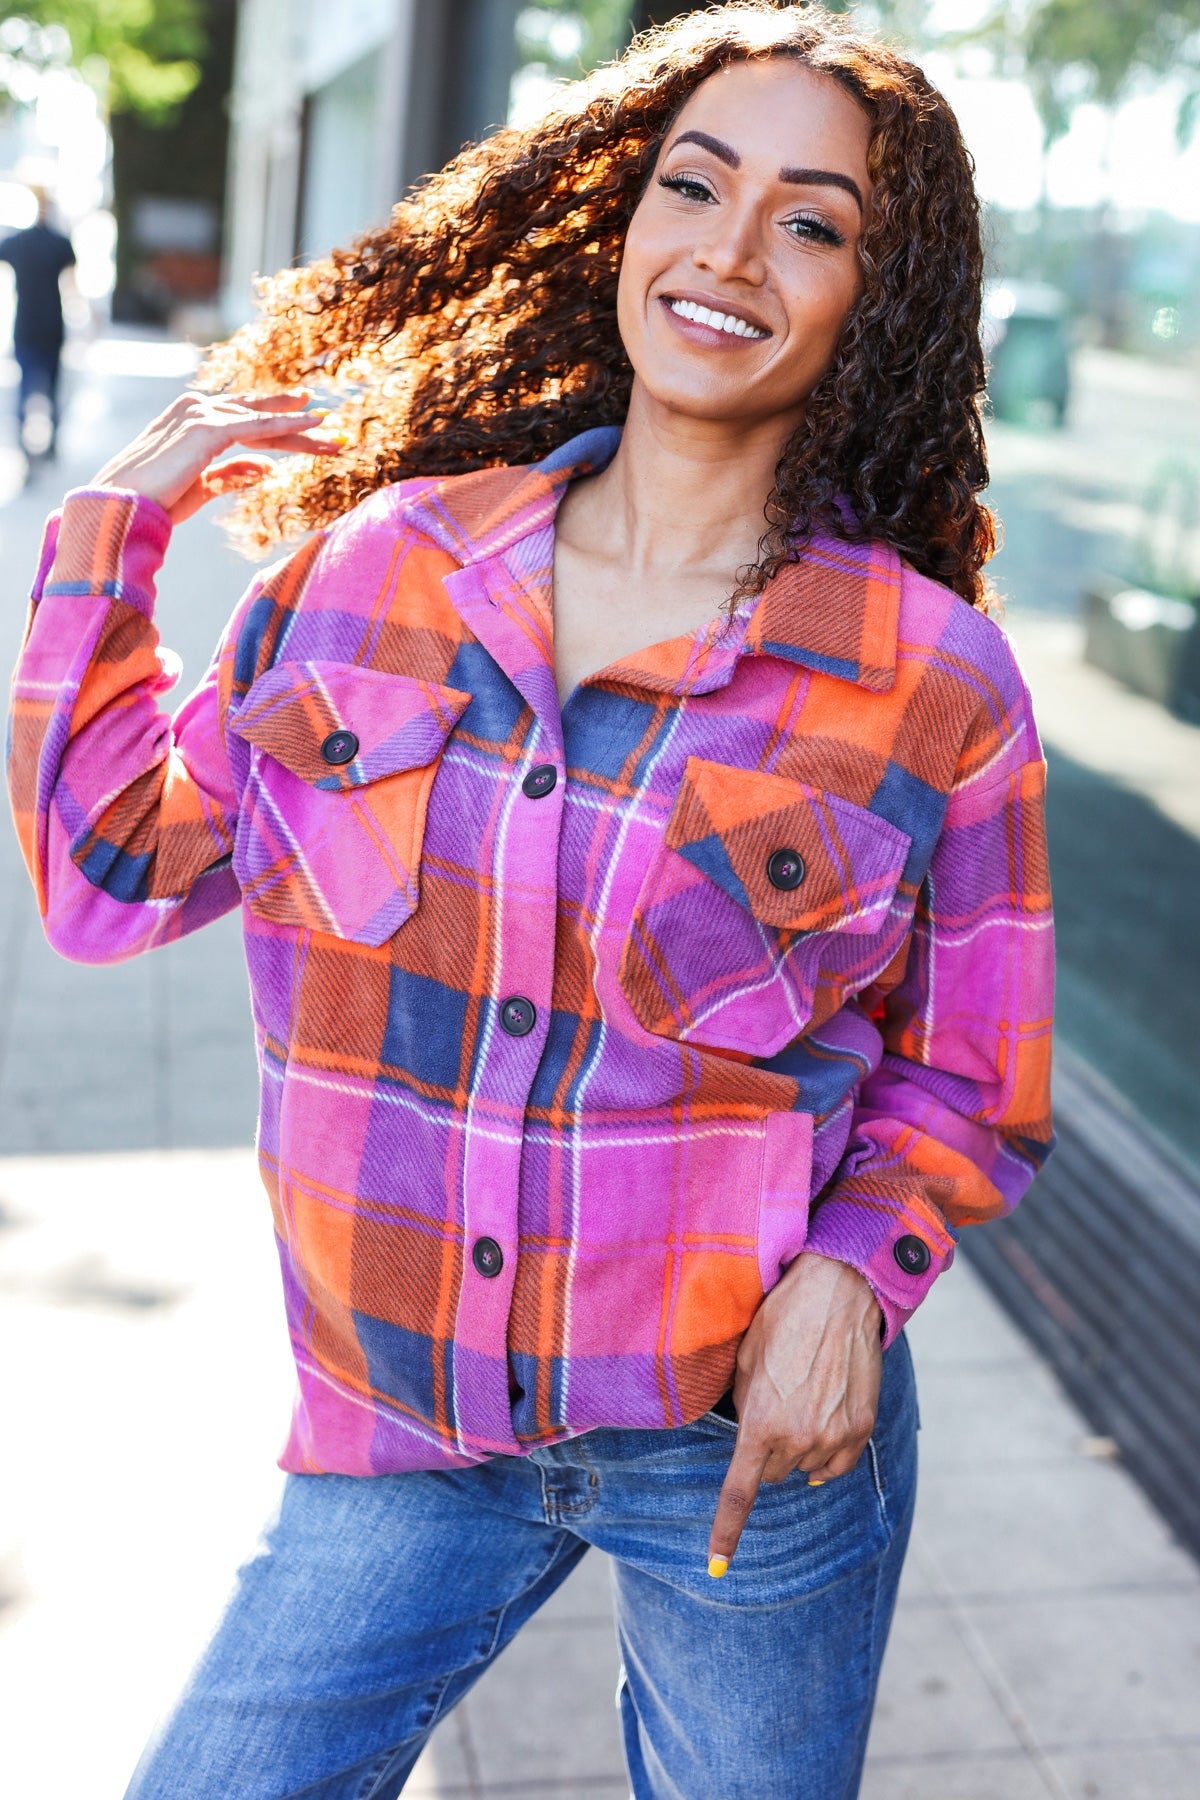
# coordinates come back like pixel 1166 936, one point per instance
pixel 753 214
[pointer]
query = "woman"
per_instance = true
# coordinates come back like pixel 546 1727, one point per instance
pixel 637 822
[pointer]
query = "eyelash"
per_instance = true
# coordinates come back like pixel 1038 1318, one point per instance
pixel 817 231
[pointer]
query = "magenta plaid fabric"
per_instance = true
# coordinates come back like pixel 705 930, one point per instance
pixel 576 1025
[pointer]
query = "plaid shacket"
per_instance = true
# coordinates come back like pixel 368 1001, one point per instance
pixel 576 1024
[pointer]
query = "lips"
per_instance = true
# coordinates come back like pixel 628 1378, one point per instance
pixel 728 320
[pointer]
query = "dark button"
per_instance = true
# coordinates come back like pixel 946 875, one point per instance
pixel 340 747
pixel 540 781
pixel 518 1016
pixel 785 869
pixel 487 1256
pixel 912 1255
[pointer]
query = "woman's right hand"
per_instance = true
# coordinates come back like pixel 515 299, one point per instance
pixel 173 459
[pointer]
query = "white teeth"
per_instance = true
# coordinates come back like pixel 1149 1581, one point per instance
pixel 718 321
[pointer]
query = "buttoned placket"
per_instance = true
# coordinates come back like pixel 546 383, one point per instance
pixel 515 1019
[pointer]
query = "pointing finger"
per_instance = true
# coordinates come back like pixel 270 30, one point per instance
pixel 738 1494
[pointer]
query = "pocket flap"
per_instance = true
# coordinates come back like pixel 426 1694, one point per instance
pixel 738 825
pixel 379 723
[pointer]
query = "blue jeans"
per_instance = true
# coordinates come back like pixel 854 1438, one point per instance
pixel 38 366
pixel 374 1604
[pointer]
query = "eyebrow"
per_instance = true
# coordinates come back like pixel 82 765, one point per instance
pixel 723 152
pixel 793 177
pixel 822 178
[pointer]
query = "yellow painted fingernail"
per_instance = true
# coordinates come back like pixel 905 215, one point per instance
pixel 813 1483
pixel 717 1565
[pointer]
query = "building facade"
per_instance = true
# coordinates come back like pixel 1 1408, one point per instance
pixel 338 106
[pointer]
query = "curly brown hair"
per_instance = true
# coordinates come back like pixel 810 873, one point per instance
pixel 479 325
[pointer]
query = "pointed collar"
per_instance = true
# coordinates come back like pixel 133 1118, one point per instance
pixel 479 516
pixel 835 609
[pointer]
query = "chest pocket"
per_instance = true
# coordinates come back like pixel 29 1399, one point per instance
pixel 768 902
pixel 342 761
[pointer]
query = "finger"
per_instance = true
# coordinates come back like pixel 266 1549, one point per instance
pixel 259 424
pixel 231 477
pixel 282 403
pixel 834 1463
pixel 303 444
pixel 224 423
pixel 735 1503
pixel 239 472
pixel 294 400
pixel 780 1464
pixel 210 435
pixel 267 431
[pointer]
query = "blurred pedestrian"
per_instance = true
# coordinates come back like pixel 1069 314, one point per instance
pixel 638 827
pixel 39 256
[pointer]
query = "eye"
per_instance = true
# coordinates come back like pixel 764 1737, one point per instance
pixel 810 230
pixel 690 186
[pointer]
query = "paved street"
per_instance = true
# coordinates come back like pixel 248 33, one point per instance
pixel 1048 1640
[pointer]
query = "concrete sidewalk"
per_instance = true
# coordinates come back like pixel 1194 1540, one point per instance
pixel 1048 1637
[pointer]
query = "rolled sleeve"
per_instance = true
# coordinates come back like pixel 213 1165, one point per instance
pixel 107 544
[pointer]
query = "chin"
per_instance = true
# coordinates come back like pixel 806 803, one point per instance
pixel 716 405
pixel 687 391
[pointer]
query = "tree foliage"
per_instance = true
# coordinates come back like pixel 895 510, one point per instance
pixel 902 20
pixel 606 25
pixel 1074 51
pixel 151 49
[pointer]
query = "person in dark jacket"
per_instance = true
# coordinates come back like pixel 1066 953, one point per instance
pixel 38 256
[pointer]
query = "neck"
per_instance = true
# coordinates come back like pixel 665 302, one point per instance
pixel 681 493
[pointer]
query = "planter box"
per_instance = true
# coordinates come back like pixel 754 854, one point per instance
pixel 1149 642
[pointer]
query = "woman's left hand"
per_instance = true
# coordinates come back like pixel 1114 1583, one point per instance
pixel 806 1389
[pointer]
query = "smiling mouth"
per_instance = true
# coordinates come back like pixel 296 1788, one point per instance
pixel 729 323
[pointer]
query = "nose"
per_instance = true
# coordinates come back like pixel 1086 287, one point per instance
pixel 731 248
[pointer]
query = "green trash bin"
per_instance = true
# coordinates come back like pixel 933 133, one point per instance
pixel 1027 338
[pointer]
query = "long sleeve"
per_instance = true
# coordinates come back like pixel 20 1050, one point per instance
pixel 952 1125
pixel 125 814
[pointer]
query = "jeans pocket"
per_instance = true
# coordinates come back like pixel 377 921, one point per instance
pixel 718 1422
pixel 875 1464
pixel 891 1451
